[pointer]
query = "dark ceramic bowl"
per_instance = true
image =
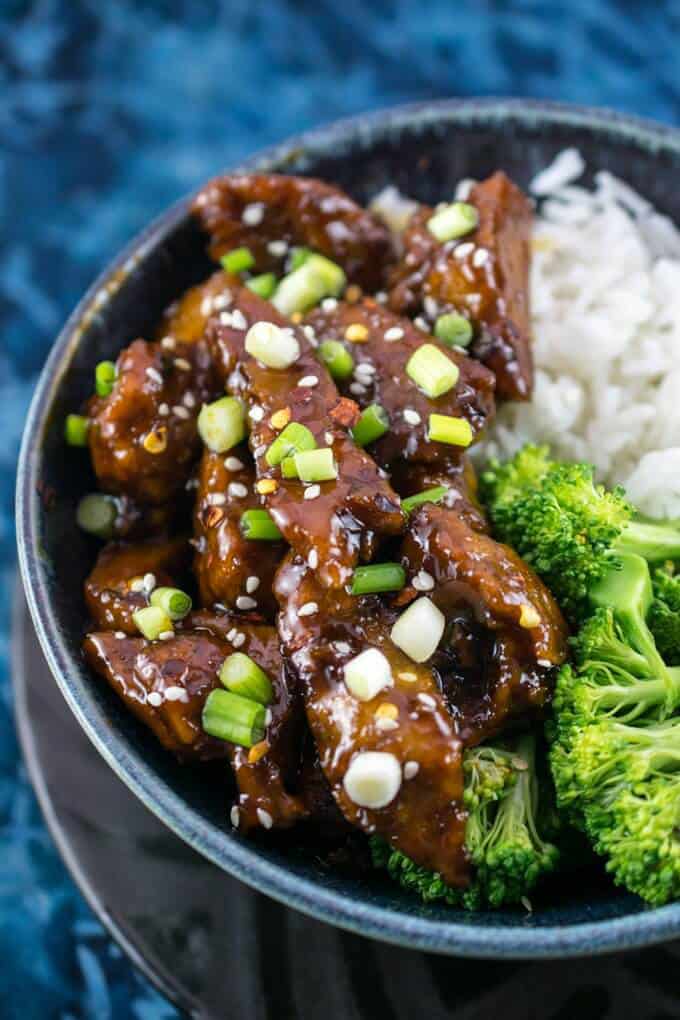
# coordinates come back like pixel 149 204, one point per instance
pixel 424 150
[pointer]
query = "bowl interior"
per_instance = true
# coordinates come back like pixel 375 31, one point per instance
pixel 424 151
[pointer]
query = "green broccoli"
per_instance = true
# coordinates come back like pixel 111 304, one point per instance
pixel 565 526
pixel 664 614
pixel 504 798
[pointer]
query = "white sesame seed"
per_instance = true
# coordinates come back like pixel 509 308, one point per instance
pixel 231 634
pixel 342 647
pixel 238 319
pixel 163 410
pixel 252 584
pixel 245 602
pixel 253 214
pixel 168 343
pixel 182 364
pixel 120 634
pixel 268 716
pixel 393 333
pixel 411 769
pixel 237 490
pixel 189 400
pixel 480 257
pixel 206 306
pixel 256 412
pixel 136 585
pixel 166 635
pixel 264 818
pixel 357 388
pixel 384 724
pixel 461 251
pixel 233 464
pixel 155 376
pixel 420 322
pixel 277 248
pixel 235 816
pixel 430 307
pixel 176 694
pixel 308 380
pixel 238 640
pixel 381 297
pixel 328 436
pixel 313 560
pixel 149 582
pixel 222 301
pixel 225 319
pixel 154 699
pixel 365 368
pixel 412 417
pixel 260 451
pixel 309 332
pixel 329 304
pixel 308 609
pixel 423 581
pixel 180 412
pixel 427 699
pixel 312 492
pixel 216 499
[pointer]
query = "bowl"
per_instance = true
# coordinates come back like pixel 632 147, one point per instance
pixel 423 150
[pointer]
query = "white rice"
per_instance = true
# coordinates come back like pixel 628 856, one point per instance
pixel 605 293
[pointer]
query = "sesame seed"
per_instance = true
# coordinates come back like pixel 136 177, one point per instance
pixel 176 694
pixel 264 818
pixel 329 304
pixel 430 307
pixel 461 251
pixel 385 724
pixel 356 333
pixel 342 647
pixel 189 400
pixel 182 364
pixel 423 581
pixel 155 376
pixel 256 412
pixel 137 584
pixel 168 343
pixel 225 318
pixel 252 584
pixel 238 640
pixel 353 293
pixel 412 417
pixel 222 301
pixel 266 486
pixel 328 436
pixel 393 333
pixel 235 816
pixel 308 380
pixel 280 418
pixel 259 451
pixel 163 410
pixel 149 582
pixel 365 368
pixel 237 490
pixel 166 635
pixel 427 699
pixel 308 609
pixel 312 492
pixel 357 388
pixel 238 319
pixel 206 306
pixel 215 499
pixel 407 677
pixel 245 602
pixel 381 297
pixel 253 214
pixel 231 634
pixel 268 717
pixel 277 248
pixel 411 769
pixel 233 464
pixel 120 634
pixel 309 332
pixel 480 257
pixel 154 699
pixel 313 559
pixel 180 412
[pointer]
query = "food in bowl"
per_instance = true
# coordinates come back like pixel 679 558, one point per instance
pixel 379 642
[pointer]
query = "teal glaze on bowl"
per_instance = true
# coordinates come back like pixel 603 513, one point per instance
pixel 423 150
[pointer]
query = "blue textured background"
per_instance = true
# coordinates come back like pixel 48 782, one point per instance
pixel 111 110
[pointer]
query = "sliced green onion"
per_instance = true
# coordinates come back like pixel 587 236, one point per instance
pixel 453 221
pixel 173 601
pixel 152 621
pixel 76 428
pixel 230 717
pixel 432 371
pixel 104 378
pixel 241 675
pixel 378 577
pixel 298 257
pixel 222 424
pixel 259 526
pixel 315 279
pixel 316 465
pixel 409 504
pixel 288 469
pixel 293 439
pixel 445 429
pixel 97 514
pixel 273 346
pixel 373 423
pixel 453 329
pixel 337 359
pixel 263 285
pixel 238 260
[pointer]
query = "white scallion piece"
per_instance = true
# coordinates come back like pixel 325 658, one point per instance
pixel 373 779
pixel 367 674
pixel 419 630
pixel 273 346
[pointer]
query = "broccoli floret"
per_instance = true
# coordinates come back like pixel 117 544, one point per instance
pixel 565 526
pixel 664 614
pixel 503 795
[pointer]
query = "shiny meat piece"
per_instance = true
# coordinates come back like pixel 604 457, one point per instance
pixel 254 210
pixel 143 436
pixel 136 520
pixel 460 479
pixel 229 567
pixel 491 288
pixel 341 523
pixel 186 318
pixel 321 631
pixel 380 377
pixel 116 588
pixel 505 632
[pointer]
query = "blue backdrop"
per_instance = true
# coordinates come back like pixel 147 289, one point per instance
pixel 111 110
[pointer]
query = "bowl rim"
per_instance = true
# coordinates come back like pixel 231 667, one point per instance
pixel 495 941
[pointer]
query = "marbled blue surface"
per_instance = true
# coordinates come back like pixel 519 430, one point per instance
pixel 109 111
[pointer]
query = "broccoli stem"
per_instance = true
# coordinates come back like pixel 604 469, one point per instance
pixel 655 542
